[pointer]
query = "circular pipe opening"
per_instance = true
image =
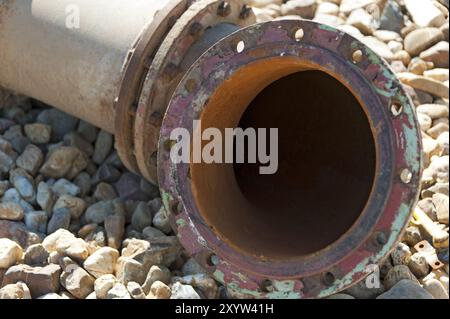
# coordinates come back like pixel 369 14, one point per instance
pixel 327 162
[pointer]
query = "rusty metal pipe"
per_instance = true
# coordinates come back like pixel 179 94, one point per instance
pixel 350 153
pixel 118 67
pixel 76 69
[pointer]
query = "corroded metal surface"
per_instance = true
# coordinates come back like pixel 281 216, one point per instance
pixel 174 57
pixel 154 67
pixel 398 147
pixel 138 62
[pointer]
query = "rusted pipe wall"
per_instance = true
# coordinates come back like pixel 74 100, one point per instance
pixel 75 69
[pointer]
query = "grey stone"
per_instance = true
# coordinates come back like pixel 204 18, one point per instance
pixel 156 273
pixel 203 283
pixel 418 265
pixel 38 133
pixel 64 161
pixel 75 205
pixel 23 183
pixel 392 17
pixel 163 251
pixel 106 173
pixel 40 280
pixel 180 291
pixel 192 267
pixel 5 124
pixel 150 189
pixel 4 186
pixel 115 228
pixel 13 132
pixel 36 255
pixel 142 217
pixel 36 221
pixel 406 289
pixel 64 187
pixel 103 147
pixel 128 188
pixel 161 221
pixel 83 181
pixel 76 280
pixel 114 160
pixel 98 237
pixel 60 122
pixel 75 140
pixel 44 197
pixel 11 211
pixel 6 162
pixel 396 274
pixel 151 233
pixel 87 131
pixel 60 219
pixel 12 195
pixel 31 159
pixel 104 191
pixel 18 232
pixel 97 212
pixel 362 291
pixel 412 235
pixel 401 255
pixel 129 269
pixel 20 143
pixel 135 290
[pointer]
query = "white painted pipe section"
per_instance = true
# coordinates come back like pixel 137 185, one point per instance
pixel 45 54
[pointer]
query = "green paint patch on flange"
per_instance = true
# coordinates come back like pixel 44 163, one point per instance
pixel 362 267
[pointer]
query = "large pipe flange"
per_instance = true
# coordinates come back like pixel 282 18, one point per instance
pixel 349 154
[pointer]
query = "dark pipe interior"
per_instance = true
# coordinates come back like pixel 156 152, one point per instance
pixel 326 167
pixel 327 162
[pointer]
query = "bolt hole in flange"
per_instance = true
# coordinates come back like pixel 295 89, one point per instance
pixel 176 207
pixel 357 56
pixel 299 34
pixel 266 285
pixel 329 278
pixel 406 176
pixel 240 46
pixel 212 260
pixel 396 108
